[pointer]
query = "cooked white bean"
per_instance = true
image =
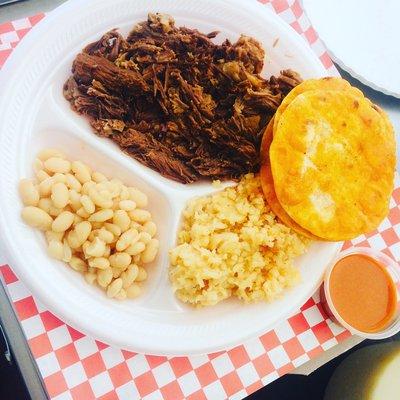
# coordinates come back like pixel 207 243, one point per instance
pixel 82 213
pixel 45 154
pixel 133 291
pixel 136 259
pixel 127 205
pixel 107 251
pixel 114 287
pixel 45 187
pixel 150 227
pixel 75 200
pixel 124 195
pixel 99 262
pixel 98 177
pixel 120 260
pixel 117 272
pixel 59 178
pixel 57 164
pixel 140 215
pixel 135 248
pixel 114 229
pixel 126 239
pixel 78 264
pixel 101 216
pixel 129 276
pixel 45 204
pixel 121 295
pixel 104 277
pixel 90 278
pixel 95 248
pixel 106 236
pixel 145 237
pixel 57 236
pixel 81 171
pixel 55 211
pixel 87 186
pixel 60 195
pixel 142 275
pixel 121 218
pixel 28 192
pixel 73 183
pixel 67 252
pixel 82 230
pixel 55 249
pixel 63 221
pixel 36 217
pixel 102 201
pixel 88 204
pixel 38 165
pixel 73 240
pixel 150 253
pixel 138 197
pixel 42 175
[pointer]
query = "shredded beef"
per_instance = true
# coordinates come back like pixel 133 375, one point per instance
pixel 176 101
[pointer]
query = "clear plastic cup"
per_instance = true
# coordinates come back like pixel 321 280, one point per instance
pixel 394 271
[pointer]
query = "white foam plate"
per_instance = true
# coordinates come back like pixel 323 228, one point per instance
pixel 362 37
pixel 35 115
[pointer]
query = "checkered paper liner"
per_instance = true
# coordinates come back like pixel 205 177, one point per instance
pixel 75 366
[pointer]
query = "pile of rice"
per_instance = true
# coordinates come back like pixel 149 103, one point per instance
pixel 231 244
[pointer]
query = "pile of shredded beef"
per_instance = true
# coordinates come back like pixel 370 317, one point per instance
pixel 177 102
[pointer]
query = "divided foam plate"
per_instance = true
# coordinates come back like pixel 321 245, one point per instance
pixel 35 115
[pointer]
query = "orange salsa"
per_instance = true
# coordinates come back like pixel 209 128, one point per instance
pixel 363 293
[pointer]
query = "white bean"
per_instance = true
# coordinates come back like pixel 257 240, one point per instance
pixel 81 171
pixel 127 205
pixel 45 154
pixel 138 197
pixel 102 201
pixel 114 287
pixel 57 164
pixel 59 178
pixel 38 165
pixel 88 204
pixel 142 275
pixel 150 253
pixel 42 175
pixel 36 217
pixel 126 239
pixel 129 276
pixel 73 240
pixel 114 229
pixel 140 215
pixel 78 264
pixel 150 227
pixel 145 237
pixel 102 215
pixel 95 248
pixel 28 192
pixel 67 252
pixel 63 221
pixel 104 277
pixel 135 248
pixel 55 211
pixel 75 200
pixel 55 249
pixel 120 260
pixel 73 183
pixel 82 213
pixel 124 195
pixel 98 177
pixel 60 195
pixel 133 291
pixel 106 236
pixel 121 218
pixel 57 236
pixel 82 230
pixel 121 295
pixel 99 262
pixel 45 187
pixel 90 278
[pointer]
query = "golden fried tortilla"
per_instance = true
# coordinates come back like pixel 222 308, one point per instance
pixel 328 83
pixel 333 160
pixel 267 185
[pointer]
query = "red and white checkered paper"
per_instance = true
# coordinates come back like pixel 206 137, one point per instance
pixel 75 366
